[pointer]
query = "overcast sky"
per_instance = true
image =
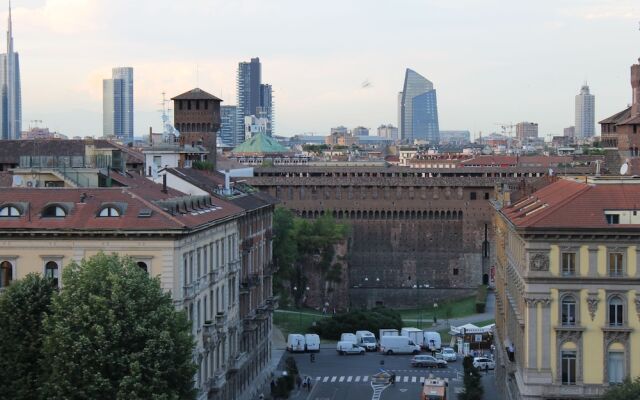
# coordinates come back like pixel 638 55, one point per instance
pixel 490 61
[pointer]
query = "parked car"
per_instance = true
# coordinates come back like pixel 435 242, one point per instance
pixel 295 342
pixel 484 363
pixel 312 342
pixel 427 361
pixel 348 348
pixel 448 354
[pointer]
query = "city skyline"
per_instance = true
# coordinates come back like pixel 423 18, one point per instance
pixel 11 99
pixel 517 60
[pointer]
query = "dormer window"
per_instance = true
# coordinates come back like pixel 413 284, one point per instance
pixel 10 211
pixel 109 211
pixel 54 211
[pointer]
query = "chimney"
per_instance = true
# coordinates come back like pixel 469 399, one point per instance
pixel 164 183
pixel 635 84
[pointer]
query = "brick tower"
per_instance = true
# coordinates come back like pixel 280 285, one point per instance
pixel 196 115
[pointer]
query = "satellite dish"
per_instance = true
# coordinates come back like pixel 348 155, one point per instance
pixel 624 169
pixel 550 171
pixel 17 181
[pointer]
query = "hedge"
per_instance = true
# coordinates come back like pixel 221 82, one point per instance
pixel 373 321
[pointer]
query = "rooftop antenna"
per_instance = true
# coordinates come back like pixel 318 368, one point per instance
pixel 167 128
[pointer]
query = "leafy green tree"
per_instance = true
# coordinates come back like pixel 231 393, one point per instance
pixel 114 334
pixel 23 306
pixel 630 389
pixel 471 380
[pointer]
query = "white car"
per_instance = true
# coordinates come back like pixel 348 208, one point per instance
pixel 349 348
pixel 448 354
pixel 484 363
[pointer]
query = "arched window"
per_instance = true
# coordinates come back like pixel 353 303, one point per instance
pixel 54 211
pixel 616 310
pixel 143 266
pixel 10 211
pixel 6 273
pixel 568 310
pixel 109 211
pixel 51 271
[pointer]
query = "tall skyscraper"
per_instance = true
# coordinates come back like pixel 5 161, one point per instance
pixel 228 116
pixel 585 113
pixel 11 96
pixel 254 98
pixel 418 109
pixel 117 104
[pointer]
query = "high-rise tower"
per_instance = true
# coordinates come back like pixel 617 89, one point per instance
pixel 585 114
pixel 418 109
pixel 11 97
pixel 254 98
pixel 117 104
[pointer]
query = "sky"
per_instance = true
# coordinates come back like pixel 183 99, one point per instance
pixel 491 62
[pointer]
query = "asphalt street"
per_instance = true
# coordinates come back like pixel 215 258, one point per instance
pixel 338 377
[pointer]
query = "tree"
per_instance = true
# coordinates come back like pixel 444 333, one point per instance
pixel 114 334
pixel 471 380
pixel 630 389
pixel 23 306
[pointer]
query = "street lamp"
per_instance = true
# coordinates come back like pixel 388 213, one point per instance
pixel 435 313
pixel 295 288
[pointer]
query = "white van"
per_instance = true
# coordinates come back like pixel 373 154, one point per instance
pixel 312 342
pixel 388 332
pixel 295 342
pixel 348 348
pixel 367 340
pixel 414 334
pixel 432 341
pixel 348 337
pixel 398 345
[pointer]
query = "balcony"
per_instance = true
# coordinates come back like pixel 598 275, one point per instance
pixel 188 292
pixel 221 320
pixel 209 334
pixel 249 281
pixel 237 362
pixel 216 382
pixel 213 277
pixel 272 303
pixel 249 324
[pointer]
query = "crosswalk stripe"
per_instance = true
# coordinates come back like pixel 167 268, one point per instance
pixel 406 379
pixel 341 379
pixel 326 378
pixel 333 378
pixel 413 379
pixel 365 378
pixel 349 378
pixel 358 378
pixel 318 378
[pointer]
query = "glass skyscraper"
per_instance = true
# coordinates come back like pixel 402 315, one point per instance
pixel 117 104
pixel 585 113
pixel 418 109
pixel 228 117
pixel 10 96
pixel 254 97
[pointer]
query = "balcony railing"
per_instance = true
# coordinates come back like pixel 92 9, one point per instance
pixel 188 291
pixel 237 362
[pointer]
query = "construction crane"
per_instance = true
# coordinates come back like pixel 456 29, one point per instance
pixel 506 129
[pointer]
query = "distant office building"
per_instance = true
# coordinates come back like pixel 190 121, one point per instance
pixel 585 112
pixel 117 104
pixel 360 131
pixel 11 95
pixel 570 131
pixel 228 134
pixel 400 94
pixel 254 98
pixel 254 125
pixel 455 137
pixel 388 131
pixel 525 130
pixel 343 130
pixel 418 109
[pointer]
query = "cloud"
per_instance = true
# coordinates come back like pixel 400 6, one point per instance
pixel 68 17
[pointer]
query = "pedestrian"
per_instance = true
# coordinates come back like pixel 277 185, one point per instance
pixel 486 368
pixel 308 383
pixel 298 381
pixel 393 378
pixel 273 387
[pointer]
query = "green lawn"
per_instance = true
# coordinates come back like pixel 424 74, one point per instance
pixel 454 309
pixel 295 323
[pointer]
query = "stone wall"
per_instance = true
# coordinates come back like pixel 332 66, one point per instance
pixel 405 297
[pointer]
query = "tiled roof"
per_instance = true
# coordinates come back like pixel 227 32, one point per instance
pixel 568 204
pixel 631 121
pixel 541 161
pixel 85 205
pixel 260 144
pixel 196 94
pixel 618 117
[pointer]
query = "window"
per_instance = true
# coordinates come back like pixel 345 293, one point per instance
pixel 143 266
pixel 455 271
pixel 568 367
pixel 472 195
pixel 9 211
pixel 54 211
pixel 615 264
pixel 612 219
pixel 568 310
pixel 109 212
pixel 568 263
pixel 616 310
pixel 615 366
pixel 486 195
pixel 6 273
pixel 51 272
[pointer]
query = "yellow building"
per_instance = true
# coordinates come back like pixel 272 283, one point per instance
pixel 567 282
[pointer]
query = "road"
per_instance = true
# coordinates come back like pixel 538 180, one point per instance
pixel 338 377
